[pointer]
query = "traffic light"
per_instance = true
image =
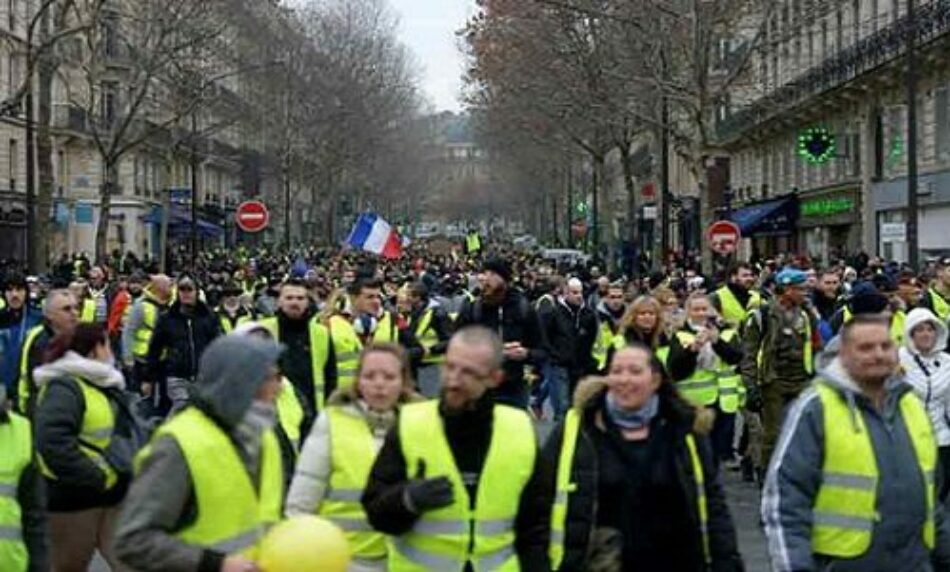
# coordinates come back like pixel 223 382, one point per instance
pixel 816 145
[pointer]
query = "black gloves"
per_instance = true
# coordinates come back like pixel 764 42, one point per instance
pixel 753 398
pixel 423 495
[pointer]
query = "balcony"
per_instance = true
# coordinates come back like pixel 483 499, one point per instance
pixel 932 21
pixel 70 118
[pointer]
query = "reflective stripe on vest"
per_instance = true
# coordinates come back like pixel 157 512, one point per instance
pixel 352 451
pixel 845 510
pixel 702 387
pixel 564 488
pixel 16 443
pixel 143 335
pixel 24 385
pixel 290 413
pixel 482 532
pixel 319 344
pixel 940 305
pixel 428 337
pixel 807 357
pixel 95 432
pixel 233 513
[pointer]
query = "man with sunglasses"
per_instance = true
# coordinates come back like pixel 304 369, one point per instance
pixel 180 337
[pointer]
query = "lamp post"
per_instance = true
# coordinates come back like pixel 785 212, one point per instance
pixel 911 87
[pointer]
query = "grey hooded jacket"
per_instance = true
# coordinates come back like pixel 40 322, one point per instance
pixel 161 499
pixel 795 476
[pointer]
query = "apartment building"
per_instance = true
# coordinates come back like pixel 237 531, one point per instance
pixel 834 70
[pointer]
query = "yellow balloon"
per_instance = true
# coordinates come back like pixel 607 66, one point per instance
pixel 304 544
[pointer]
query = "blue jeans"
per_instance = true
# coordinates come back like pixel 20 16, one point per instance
pixel 558 385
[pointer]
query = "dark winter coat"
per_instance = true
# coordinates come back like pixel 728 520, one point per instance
pixel 179 340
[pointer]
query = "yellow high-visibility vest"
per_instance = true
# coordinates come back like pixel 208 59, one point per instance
pixel 732 311
pixel 233 512
pixel 87 313
pixel 16 442
pixel 352 453
pixel 731 389
pixel 565 487
pixel 347 345
pixel 482 532
pixel 319 345
pixel 428 337
pixel 95 432
pixel 602 343
pixel 940 305
pixel 24 384
pixel 702 387
pixel 845 509
pixel 142 336
pixel 227 326
pixel 290 413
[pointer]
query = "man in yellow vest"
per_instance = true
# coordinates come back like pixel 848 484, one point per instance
pixel 457 483
pixel 735 299
pixel 140 320
pixel 60 315
pixel 230 312
pixel 365 320
pixel 211 482
pixel 432 327
pixel 851 486
pixel 23 542
pixel 307 359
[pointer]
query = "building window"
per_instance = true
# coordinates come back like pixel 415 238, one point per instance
pixel 61 171
pixel 839 31
pixel 942 116
pixel 109 102
pixel 11 14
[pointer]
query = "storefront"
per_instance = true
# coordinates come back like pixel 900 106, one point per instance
pixel 933 216
pixel 767 227
pixel 829 224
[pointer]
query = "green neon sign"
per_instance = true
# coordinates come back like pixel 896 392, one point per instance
pixel 825 207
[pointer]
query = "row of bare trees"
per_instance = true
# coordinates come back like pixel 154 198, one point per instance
pixel 322 93
pixel 569 82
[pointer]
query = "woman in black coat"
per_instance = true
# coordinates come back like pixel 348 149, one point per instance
pixel 636 488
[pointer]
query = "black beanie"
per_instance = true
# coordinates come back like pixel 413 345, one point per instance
pixel 499 266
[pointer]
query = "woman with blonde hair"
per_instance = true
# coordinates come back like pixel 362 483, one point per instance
pixel 643 323
pixel 338 455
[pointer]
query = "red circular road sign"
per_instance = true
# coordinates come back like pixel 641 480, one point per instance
pixel 252 216
pixel 723 236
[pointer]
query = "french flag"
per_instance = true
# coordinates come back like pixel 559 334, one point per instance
pixel 373 234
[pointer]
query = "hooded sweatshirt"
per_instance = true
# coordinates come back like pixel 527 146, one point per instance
pixel 929 373
pixel 161 499
pixel 795 477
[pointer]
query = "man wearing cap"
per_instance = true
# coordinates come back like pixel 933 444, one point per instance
pixel 504 310
pixel 181 336
pixel 779 340
pixel 937 297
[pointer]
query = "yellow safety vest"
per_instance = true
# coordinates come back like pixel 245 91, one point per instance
pixel 732 310
pixel 428 337
pixel 290 413
pixel 319 342
pixel 807 357
pixel 602 344
pixel 16 442
pixel 940 305
pixel 732 391
pixel 227 326
pixel 845 509
pixel 897 323
pixel 566 487
pixel 143 335
pixel 482 532
pixel 233 513
pixel 347 345
pixel 473 243
pixel 701 388
pixel 352 453
pixel 88 313
pixel 24 389
pixel 95 432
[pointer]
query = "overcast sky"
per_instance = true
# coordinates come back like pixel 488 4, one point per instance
pixel 428 27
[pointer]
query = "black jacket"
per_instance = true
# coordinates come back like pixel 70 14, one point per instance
pixel 296 363
pixel 515 321
pixel 441 324
pixel 179 340
pixel 469 435
pixel 570 333
pixel 674 421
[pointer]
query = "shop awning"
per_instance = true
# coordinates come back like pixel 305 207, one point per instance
pixel 180 222
pixel 770 218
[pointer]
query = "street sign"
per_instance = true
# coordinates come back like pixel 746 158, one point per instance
pixel 252 216
pixel 893 232
pixel 723 236
pixel 649 213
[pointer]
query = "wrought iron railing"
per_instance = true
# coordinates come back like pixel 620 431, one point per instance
pixel 931 20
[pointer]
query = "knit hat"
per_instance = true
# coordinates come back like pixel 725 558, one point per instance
pixel 865 299
pixel 498 266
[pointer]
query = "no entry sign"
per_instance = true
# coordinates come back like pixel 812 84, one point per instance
pixel 252 216
pixel 723 236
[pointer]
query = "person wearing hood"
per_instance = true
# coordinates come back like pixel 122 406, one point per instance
pixel 852 483
pixel 432 326
pixel 174 352
pixel 339 452
pixel 85 441
pixel 211 481
pixel 633 481
pixel 25 547
pixel 927 369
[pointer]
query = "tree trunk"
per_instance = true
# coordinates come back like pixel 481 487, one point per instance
pixel 108 186
pixel 596 182
pixel 627 166
pixel 44 160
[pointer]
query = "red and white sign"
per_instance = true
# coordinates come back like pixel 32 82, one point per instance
pixel 723 236
pixel 252 216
